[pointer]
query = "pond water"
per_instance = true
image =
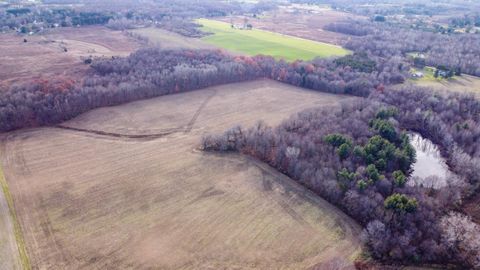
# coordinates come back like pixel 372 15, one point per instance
pixel 430 169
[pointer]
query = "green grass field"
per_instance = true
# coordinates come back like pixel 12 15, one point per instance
pixel 253 42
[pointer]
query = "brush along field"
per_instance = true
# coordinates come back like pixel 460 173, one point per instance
pixel 58 51
pixel 253 42
pixel 126 188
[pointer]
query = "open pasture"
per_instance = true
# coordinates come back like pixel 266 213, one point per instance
pixel 126 187
pixel 255 41
pixel 58 52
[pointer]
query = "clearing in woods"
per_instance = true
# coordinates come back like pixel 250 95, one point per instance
pixel 255 41
pixel 463 84
pixel 100 192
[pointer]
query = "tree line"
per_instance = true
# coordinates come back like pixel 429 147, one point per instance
pixel 144 74
pixel 153 72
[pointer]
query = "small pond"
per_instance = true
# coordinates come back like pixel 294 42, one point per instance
pixel 430 169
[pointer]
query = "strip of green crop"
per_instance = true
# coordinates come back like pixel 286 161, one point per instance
pixel 22 250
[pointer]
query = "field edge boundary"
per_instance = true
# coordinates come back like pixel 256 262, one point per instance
pixel 20 242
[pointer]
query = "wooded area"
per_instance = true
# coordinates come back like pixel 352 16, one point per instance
pixel 456 51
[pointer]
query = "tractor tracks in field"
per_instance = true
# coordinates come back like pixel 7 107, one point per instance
pixel 144 137
pixel 150 136
pixel 192 121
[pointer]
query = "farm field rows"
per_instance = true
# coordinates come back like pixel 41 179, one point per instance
pixel 257 41
pixel 98 192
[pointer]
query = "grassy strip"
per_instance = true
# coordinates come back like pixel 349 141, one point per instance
pixel 22 250
pixel 257 41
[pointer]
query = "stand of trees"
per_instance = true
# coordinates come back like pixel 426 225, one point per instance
pixel 183 27
pixel 347 75
pixel 144 74
pixel 468 20
pixel 451 121
pixel 359 159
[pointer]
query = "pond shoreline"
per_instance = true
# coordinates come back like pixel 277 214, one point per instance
pixel 431 167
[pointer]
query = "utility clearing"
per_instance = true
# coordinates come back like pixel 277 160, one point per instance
pixel 126 187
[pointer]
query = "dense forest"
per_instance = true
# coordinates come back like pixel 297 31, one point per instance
pixel 359 158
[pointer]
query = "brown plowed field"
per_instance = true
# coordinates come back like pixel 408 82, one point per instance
pixel 102 194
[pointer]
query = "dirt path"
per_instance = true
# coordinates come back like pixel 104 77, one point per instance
pixel 120 135
pixel 9 255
